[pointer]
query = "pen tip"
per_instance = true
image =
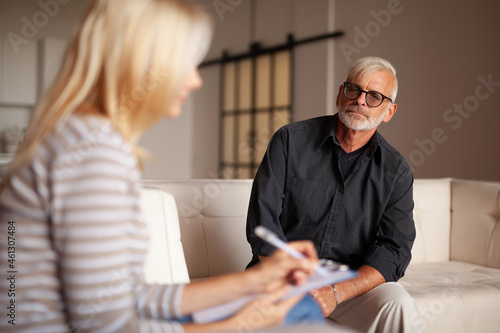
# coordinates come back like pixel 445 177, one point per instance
pixel 260 231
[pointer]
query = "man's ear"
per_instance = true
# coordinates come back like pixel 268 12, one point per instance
pixel 390 112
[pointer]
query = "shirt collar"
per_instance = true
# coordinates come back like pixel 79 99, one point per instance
pixel 331 131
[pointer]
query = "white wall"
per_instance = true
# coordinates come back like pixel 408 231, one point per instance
pixel 30 23
pixel 170 141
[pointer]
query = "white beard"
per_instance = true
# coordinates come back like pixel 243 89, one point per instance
pixel 357 122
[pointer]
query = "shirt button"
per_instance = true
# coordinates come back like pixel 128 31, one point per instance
pixel 341 190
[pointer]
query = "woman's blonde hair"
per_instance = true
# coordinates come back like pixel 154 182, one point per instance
pixel 126 61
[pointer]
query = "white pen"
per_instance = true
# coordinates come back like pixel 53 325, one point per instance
pixel 274 240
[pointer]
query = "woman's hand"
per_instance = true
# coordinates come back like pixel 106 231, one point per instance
pixel 264 311
pixel 272 278
pixel 281 270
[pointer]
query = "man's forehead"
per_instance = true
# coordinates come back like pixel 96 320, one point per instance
pixel 377 79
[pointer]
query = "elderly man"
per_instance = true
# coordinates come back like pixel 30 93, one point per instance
pixel 336 181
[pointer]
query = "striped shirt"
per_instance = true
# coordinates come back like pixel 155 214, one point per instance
pixel 73 240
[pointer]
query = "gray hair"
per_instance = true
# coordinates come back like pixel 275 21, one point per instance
pixel 369 65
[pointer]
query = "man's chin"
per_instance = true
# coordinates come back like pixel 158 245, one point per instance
pixel 358 122
pixel 350 122
pixel 355 127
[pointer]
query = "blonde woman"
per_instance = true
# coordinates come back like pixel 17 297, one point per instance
pixel 71 231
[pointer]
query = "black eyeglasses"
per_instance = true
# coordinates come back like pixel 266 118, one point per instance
pixel 373 98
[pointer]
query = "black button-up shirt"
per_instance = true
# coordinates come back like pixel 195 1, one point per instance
pixel 299 193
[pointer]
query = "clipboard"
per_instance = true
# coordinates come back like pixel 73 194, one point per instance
pixel 336 273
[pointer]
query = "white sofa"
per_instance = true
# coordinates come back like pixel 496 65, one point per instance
pixel 454 275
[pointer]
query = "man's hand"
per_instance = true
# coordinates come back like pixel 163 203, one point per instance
pixel 325 298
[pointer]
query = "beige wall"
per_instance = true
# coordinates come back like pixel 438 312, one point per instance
pixel 447 123
pixel 443 52
pixel 448 120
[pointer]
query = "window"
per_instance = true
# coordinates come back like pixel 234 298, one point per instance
pixel 256 101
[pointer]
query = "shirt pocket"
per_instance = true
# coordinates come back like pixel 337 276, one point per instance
pixel 306 200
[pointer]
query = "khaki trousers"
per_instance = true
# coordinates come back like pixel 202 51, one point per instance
pixel 386 308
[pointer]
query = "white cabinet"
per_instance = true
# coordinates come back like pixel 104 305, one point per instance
pixel 26 72
pixel 18 74
pixel 51 55
pixel 5 159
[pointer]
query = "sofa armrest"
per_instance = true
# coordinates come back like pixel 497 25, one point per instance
pixel 475 231
pixel 165 262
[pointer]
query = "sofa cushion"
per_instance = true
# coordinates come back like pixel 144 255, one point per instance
pixel 432 220
pixel 475 234
pixel 214 245
pixel 450 295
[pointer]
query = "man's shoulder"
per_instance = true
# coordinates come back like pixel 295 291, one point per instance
pixel 307 125
pixel 392 157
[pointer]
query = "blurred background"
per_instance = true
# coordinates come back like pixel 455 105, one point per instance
pixel 276 61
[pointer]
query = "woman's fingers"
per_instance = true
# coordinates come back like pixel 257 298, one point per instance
pixel 281 269
pixel 306 247
pixel 265 311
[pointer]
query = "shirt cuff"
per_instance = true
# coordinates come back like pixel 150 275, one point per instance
pixel 260 247
pixel 386 265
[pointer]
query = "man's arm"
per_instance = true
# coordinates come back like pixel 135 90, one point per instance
pixel 266 197
pixel 367 279
pixel 390 254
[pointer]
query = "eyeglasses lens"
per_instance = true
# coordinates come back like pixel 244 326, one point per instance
pixel 373 98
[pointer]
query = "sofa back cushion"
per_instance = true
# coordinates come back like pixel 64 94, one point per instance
pixel 475 232
pixel 212 216
pixel 432 220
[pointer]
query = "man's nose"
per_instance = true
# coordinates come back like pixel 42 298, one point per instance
pixel 361 100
